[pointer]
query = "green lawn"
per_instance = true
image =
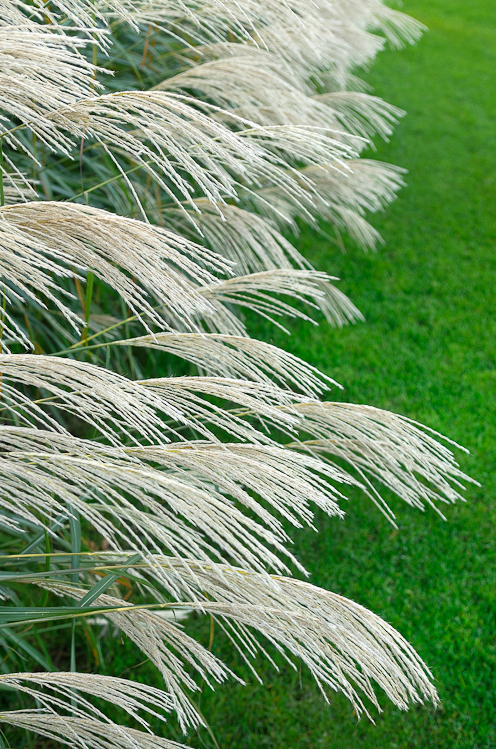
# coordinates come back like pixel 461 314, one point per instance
pixel 428 350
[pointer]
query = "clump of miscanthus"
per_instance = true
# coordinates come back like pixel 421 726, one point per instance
pixel 155 157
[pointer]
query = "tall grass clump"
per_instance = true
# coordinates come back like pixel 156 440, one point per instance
pixel 154 159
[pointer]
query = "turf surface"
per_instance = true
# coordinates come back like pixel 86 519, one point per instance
pixel 428 350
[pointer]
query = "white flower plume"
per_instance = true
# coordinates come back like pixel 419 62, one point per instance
pixel 42 240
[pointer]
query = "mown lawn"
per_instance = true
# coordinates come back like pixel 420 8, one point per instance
pixel 428 350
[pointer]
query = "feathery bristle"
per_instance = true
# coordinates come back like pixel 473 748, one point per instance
pixel 40 240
